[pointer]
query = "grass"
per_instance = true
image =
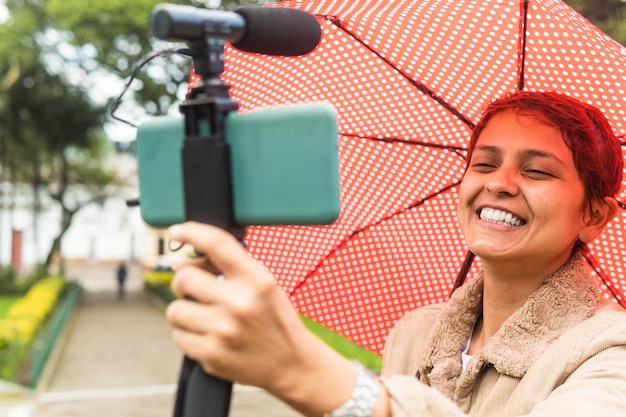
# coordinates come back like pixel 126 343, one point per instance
pixel 344 346
pixel 6 301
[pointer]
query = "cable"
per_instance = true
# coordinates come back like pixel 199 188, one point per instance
pixel 118 101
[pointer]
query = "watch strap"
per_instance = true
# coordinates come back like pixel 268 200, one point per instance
pixel 364 396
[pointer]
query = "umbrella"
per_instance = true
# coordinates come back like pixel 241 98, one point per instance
pixel 408 80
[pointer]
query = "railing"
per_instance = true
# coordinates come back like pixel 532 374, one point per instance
pixel 46 338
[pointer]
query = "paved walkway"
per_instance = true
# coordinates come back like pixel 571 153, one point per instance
pixel 116 358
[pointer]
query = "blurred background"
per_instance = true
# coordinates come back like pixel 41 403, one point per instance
pixel 68 179
pixel 67 168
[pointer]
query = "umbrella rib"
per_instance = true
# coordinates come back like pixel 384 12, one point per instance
pixel 369 226
pixel 405 142
pixel 421 87
pixel 621 139
pixel 522 45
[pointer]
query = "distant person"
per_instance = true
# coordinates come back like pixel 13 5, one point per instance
pixel 122 272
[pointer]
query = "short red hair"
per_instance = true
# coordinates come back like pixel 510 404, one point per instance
pixel 596 150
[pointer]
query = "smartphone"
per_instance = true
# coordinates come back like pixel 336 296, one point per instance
pixel 284 164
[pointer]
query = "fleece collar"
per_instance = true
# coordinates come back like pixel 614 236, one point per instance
pixel 566 298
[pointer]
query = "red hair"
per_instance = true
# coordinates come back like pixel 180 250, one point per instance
pixel 596 150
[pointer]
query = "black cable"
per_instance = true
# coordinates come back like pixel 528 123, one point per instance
pixel 118 101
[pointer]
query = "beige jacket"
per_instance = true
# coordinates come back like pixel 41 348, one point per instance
pixel 563 354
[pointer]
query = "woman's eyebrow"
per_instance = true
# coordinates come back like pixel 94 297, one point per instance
pixel 535 153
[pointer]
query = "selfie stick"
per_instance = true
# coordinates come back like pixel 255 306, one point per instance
pixel 205 153
pixel 208 199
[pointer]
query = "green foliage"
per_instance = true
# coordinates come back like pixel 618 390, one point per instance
pixel 6 301
pixel 161 292
pixel 12 354
pixel 158 277
pixel 10 283
pixel 27 314
pixel 607 15
pixel 7 280
pixel 23 319
pixel 344 346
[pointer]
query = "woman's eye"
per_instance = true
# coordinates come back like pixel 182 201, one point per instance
pixel 483 166
pixel 537 173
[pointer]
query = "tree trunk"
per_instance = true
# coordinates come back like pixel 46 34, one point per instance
pixel 66 222
pixel 66 215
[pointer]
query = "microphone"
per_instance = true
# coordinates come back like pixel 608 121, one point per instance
pixel 264 30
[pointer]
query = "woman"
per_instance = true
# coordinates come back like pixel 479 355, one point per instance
pixel 529 336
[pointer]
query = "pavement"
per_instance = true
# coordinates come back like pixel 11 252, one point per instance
pixel 116 358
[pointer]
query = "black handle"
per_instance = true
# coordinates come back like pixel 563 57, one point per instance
pixel 200 394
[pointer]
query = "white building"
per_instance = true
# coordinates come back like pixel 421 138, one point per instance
pixel 108 232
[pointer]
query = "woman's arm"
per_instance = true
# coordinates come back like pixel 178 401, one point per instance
pixel 244 328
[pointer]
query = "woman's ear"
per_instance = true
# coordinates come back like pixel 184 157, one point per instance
pixel 600 214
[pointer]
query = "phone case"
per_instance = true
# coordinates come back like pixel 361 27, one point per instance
pixel 284 167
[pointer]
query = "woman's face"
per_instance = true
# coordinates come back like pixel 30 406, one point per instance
pixel 521 199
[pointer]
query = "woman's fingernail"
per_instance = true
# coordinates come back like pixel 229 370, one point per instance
pixel 174 230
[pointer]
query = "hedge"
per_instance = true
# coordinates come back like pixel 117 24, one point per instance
pixel 158 277
pixel 24 319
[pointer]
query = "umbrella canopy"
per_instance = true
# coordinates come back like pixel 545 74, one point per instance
pixel 408 80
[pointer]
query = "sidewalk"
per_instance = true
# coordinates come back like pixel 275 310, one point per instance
pixel 116 358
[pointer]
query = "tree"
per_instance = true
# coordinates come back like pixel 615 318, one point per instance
pixel 119 32
pixel 51 130
pixel 51 127
pixel 607 15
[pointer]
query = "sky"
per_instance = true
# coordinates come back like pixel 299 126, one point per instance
pixel 4 13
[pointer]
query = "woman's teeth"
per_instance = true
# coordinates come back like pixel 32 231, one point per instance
pixel 500 217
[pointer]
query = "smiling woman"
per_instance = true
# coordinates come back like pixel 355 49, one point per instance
pixel 540 184
pixel 530 335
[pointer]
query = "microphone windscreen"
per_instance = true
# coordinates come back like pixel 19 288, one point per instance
pixel 278 31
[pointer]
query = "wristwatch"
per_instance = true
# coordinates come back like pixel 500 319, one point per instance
pixel 364 396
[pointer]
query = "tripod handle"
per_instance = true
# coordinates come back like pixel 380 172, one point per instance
pixel 200 394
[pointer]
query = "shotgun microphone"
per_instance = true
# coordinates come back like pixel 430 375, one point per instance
pixel 264 30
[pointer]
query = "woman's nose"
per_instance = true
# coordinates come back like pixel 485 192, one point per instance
pixel 503 181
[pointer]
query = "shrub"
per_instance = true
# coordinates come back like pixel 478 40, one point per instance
pixel 158 277
pixel 7 280
pixel 12 351
pixel 26 315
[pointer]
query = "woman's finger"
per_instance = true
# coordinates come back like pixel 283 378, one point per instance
pixel 194 282
pixel 202 348
pixel 200 262
pixel 194 317
pixel 218 246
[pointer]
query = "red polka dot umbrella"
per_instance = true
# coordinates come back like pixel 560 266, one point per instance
pixel 408 80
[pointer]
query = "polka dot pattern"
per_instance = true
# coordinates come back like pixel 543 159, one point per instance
pixel 408 80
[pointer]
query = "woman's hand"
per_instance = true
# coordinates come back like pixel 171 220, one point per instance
pixel 244 329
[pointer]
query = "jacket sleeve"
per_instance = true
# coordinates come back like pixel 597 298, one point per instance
pixel 404 345
pixel 410 398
